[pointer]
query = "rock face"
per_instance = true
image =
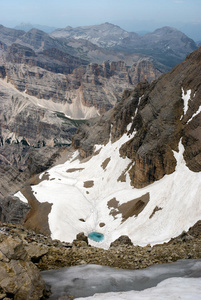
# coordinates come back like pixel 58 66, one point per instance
pixel 30 137
pixel 70 81
pixel 52 59
pixel 19 277
pixel 162 114
pixel 12 210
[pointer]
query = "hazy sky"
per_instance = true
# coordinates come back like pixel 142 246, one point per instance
pixel 128 14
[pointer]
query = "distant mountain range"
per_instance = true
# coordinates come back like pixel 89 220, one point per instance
pixel 167 45
pixel 192 30
pixel 28 26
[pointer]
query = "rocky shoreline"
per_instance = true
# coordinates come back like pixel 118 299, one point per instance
pixel 36 250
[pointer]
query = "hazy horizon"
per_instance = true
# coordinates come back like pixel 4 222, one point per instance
pixel 130 15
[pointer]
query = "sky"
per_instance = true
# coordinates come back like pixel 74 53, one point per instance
pixel 131 15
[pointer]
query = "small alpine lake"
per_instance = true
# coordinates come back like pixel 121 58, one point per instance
pixel 96 236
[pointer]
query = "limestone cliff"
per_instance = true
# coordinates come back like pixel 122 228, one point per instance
pixel 66 79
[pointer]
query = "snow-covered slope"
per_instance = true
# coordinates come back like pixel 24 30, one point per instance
pixel 82 193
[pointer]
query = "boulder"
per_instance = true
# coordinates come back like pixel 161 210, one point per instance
pixel 19 277
pixel 122 240
pixel 82 237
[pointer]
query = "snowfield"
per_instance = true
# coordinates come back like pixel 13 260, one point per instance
pixel 88 196
pixel 169 289
pixel 179 280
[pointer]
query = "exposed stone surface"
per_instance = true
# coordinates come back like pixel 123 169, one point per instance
pixel 19 277
pixel 53 75
pixel 31 138
pixel 53 254
pixel 12 210
pixel 82 237
pixel 122 240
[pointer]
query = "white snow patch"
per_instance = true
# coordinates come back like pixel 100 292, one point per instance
pixel 186 97
pixel 129 125
pixel 195 114
pixel 138 104
pixel 21 197
pixel 97 147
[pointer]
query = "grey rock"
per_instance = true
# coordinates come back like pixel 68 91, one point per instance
pixel 13 210
pixel 13 249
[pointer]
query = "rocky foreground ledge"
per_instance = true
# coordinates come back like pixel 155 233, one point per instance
pixel 23 254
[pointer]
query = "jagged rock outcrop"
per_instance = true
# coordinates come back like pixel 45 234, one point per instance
pixel 160 115
pixel 19 277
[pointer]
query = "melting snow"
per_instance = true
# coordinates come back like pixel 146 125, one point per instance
pixel 177 194
pixel 21 197
pixel 195 114
pixel 186 97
